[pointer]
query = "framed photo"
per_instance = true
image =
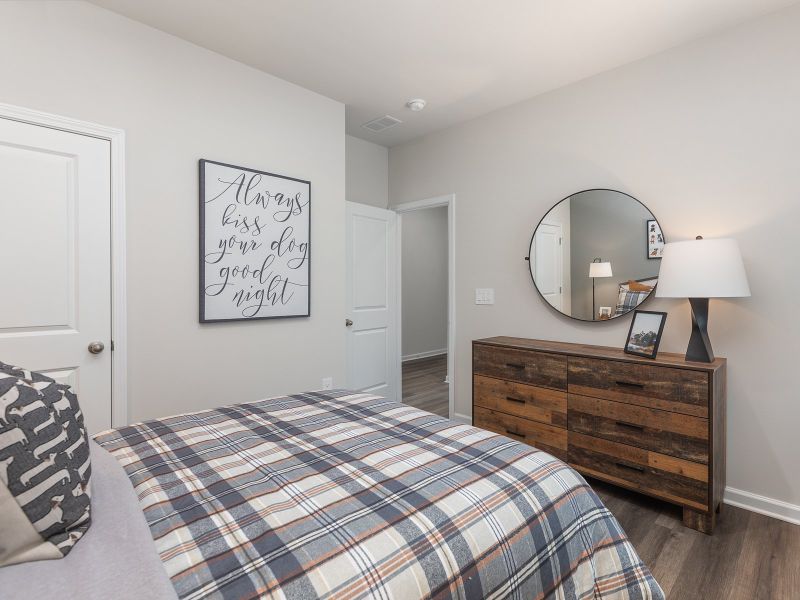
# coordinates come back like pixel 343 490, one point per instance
pixel 644 336
pixel 655 240
pixel 255 244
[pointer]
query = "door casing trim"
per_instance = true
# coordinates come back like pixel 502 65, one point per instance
pixel 449 201
pixel 119 308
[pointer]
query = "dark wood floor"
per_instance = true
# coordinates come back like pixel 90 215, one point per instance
pixel 749 557
pixel 424 386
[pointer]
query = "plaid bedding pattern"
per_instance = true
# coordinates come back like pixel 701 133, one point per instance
pixel 343 495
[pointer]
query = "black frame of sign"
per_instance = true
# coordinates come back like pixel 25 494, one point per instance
pixel 530 244
pixel 201 196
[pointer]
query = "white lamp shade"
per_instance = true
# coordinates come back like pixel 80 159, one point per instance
pixel 600 269
pixel 702 269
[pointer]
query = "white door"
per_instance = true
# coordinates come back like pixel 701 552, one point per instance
pixel 55 260
pixel 372 342
pixel 547 257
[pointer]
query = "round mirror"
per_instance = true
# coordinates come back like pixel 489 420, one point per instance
pixel 595 255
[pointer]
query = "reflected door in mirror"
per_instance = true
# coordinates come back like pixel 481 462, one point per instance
pixel 547 262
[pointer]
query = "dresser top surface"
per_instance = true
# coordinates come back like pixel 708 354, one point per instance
pixel 666 359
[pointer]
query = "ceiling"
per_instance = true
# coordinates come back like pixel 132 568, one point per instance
pixel 465 57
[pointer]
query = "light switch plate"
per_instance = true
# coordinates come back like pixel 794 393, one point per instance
pixel 484 295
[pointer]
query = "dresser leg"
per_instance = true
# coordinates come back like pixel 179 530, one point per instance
pixel 700 521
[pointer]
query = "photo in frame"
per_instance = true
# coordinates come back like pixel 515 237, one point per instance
pixel 644 336
pixel 655 240
pixel 255 244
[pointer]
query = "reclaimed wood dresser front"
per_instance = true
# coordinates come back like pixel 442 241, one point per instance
pixel 653 426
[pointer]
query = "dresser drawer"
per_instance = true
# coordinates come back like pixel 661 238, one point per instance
pixel 524 366
pixel 670 433
pixel 677 390
pixel 522 400
pixel 545 437
pixel 663 476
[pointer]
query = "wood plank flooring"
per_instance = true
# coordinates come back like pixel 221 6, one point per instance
pixel 424 386
pixel 749 557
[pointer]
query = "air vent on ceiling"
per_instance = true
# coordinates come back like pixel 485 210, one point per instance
pixel 381 123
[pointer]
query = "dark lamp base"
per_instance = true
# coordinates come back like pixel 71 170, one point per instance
pixel 699 349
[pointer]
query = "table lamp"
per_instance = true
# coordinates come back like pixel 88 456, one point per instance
pixel 598 268
pixel 698 270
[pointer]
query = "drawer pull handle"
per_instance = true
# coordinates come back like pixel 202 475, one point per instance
pixel 512 399
pixel 630 384
pixel 631 467
pixel 515 366
pixel 515 433
pixel 629 425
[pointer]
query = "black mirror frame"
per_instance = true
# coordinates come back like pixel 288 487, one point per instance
pixel 530 244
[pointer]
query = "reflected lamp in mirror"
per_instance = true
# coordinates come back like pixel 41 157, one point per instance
pixel 580 227
pixel 598 268
pixel 699 270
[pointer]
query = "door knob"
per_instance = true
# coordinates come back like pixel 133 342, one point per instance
pixel 348 323
pixel 96 347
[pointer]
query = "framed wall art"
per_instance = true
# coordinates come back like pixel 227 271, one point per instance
pixel 255 244
pixel 655 239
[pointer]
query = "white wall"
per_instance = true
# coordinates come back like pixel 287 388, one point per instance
pixel 367 172
pixel 178 103
pixel 706 135
pixel 424 290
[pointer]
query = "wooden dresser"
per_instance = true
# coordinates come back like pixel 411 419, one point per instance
pixel 654 426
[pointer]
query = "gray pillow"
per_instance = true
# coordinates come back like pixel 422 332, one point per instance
pixel 44 467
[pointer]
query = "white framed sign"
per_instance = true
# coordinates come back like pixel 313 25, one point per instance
pixel 255 244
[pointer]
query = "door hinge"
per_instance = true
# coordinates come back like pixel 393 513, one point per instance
pixel 112 345
pixel 559 241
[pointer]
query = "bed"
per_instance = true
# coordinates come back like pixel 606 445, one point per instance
pixel 336 495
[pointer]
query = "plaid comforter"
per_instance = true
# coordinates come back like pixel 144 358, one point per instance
pixel 342 495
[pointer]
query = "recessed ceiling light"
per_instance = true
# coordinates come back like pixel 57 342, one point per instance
pixel 417 104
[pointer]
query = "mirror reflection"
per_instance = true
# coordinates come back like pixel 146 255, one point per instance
pixel 595 255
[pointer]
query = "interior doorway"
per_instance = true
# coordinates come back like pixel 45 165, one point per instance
pixel 425 293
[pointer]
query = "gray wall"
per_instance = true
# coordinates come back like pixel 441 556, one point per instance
pixel 178 103
pixel 707 136
pixel 424 265
pixel 610 226
pixel 366 172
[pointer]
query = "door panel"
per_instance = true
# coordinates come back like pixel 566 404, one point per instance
pixel 372 360
pixel 548 263
pixel 55 256
pixel 370 285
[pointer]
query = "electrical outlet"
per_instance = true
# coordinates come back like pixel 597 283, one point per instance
pixel 327 383
pixel 484 295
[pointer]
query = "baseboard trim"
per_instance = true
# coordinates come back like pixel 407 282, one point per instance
pixel 777 509
pixel 427 354
pixel 466 419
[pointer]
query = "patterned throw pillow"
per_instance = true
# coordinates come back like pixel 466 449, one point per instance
pixel 44 467
pixel 628 300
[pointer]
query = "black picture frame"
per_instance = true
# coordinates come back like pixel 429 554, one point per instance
pixel 203 316
pixel 638 349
